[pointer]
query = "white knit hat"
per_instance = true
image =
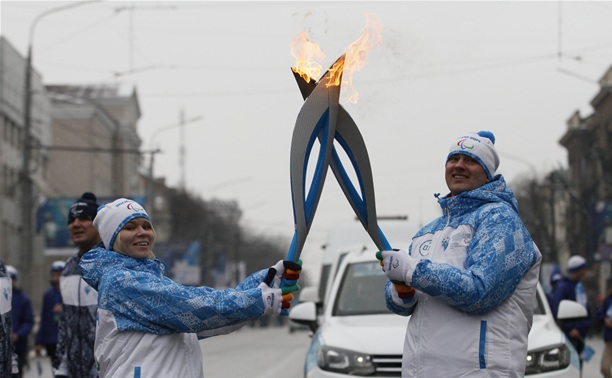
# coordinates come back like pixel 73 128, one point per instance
pixel 576 263
pixel 113 216
pixel 479 146
pixel 12 272
pixel 58 266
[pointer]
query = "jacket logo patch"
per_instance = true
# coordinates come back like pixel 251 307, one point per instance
pixel 425 248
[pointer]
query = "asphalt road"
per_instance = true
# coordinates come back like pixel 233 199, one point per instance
pixel 271 353
pixel 247 353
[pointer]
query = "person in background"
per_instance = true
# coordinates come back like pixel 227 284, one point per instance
pixel 555 277
pixel 470 277
pixel 148 325
pixel 49 316
pixel 23 320
pixel 74 355
pixel 604 315
pixel 8 359
pixel 572 288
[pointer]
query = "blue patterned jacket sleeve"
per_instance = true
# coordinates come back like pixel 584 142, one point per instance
pixel 142 299
pixel 500 254
pixel 252 281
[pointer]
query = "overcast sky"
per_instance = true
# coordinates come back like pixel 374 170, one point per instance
pixel 519 69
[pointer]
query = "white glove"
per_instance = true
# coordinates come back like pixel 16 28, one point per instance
pixel 272 298
pixel 279 285
pixel 399 266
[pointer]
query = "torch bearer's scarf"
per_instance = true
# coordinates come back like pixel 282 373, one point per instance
pixel 323 118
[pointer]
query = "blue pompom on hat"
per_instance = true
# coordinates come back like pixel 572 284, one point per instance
pixel 113 216
pixel 481 147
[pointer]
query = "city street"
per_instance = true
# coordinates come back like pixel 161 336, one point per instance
pixel 250 352
pixel 273 353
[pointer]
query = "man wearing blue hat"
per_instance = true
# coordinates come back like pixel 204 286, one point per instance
pixel 572 288
pixel 46 337
pixel 23 320
pixel 470 277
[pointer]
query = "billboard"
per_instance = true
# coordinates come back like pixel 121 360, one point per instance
pixel 52 222
pixel 181 258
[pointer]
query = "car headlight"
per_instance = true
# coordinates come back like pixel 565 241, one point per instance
pixel 345 361
pixel 542 361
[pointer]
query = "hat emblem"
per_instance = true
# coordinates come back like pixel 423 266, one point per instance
pixel 133 206
pixel 464 145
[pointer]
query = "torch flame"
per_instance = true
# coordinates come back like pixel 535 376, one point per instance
pixel 306 54
pixel 356 53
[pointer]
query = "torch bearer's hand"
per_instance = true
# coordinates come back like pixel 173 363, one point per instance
pixel 398 265
pixel 402 294
pixel 279 285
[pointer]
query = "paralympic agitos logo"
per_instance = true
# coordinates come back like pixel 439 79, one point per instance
pixel 134 206
pixel 467 143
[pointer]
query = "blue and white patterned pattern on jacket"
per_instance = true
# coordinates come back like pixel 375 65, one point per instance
pixel 157 319
pixel 143 299
pixel 476 286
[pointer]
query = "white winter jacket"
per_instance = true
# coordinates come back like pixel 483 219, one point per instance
pixel 148 325
pixel 476 289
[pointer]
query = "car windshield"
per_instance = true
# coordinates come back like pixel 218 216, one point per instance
pixel 362 288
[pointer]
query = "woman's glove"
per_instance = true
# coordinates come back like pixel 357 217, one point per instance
pixel 279 285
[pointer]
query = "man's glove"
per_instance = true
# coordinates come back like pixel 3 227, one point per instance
pixel 401 294
pixel 279 285
pixel 398 265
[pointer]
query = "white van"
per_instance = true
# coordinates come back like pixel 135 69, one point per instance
pixel 352 237
pixel 356 335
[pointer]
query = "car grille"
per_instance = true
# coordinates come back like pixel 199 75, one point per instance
pixel 389 365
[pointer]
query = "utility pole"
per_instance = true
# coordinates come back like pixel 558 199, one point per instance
pixel 154 150
pixel 27 185
pixel 27 202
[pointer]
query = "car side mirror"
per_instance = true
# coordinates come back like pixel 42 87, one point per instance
pixel 571 310
pixel 305 313
pixel 309 294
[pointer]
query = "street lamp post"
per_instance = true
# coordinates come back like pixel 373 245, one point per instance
pixel 151 187
pixel 27 190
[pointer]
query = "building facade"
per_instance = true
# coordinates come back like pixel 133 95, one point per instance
pixel 588 140
pixel 12 143
pixel 96 146
pixel 82 138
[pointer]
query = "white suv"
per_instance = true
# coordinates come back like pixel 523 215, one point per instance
pixel 355 335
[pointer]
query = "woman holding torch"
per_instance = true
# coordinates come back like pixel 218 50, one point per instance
pixel 149 325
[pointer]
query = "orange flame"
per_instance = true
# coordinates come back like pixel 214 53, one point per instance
pixel 306 54
pixel 356 53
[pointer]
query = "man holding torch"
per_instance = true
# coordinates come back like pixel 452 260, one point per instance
pixel 474 270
